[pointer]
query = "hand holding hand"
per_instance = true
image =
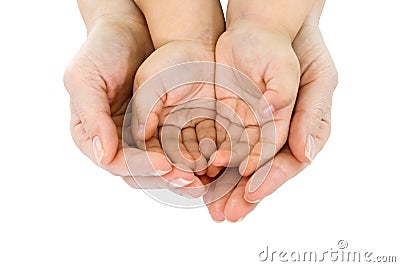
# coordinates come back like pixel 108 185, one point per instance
pixel 99 80
pixel 311 117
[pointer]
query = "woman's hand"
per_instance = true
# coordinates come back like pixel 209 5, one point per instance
pixel 100 80
pixel 309 128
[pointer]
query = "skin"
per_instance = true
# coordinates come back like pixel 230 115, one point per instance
pixel 258 43
pixel 311 117
pixel 117 36
pixel 177 43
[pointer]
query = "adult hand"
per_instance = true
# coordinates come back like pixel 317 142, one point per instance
pixel 309 128
pixel 99 80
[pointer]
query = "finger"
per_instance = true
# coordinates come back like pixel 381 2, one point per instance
pixel 155 182
pixel 236 147
pixel 189 140
pixel 92 127
pixel 207 137
pixel 233 151
pixel 146 163
pixel 178 178
pixel 284 167
pixel 145 182
pixel 174 148
pixel 262 152
pixel 147 105
pixel 281 79
pixel 274 131
pixel 223 144
pixel 311 123
pixel 216 208
pixel 237 207
pixel 219 193
pixel 132 161
pixel 213 171
pixel 194 190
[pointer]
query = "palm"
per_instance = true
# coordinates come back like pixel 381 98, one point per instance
pixel 180 117
pixel 261 56
pixel 105 67
pixel 318 72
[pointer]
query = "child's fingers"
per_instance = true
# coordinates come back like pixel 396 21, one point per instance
pixel 232 151
pixel 281 79
pixel 213 171
pixel 147 105
pixel 206 137
pixel 189 140
pixel 174 148
pixel 263 151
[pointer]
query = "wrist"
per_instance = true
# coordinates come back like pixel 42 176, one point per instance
pixel 313 18
pixel 287 16
pixel 258 23
pixel 194 20
pixel 118 21
pixel 131 30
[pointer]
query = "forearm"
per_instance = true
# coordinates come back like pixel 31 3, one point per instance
pixel 171 20
pixel 316 12
pixel 117 10
pixel 287 15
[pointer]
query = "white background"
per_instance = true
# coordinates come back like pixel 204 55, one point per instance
pixel 59 209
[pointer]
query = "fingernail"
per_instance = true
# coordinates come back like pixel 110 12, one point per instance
pixel 310 148
pixel 251 201
pixel 160 172
pixel 140 131
pixel 212 158
pixel 98 150
pixel 179 182
pixel 256 180
pixel 268 110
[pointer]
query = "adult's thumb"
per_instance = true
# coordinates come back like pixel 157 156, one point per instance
pixel 92 127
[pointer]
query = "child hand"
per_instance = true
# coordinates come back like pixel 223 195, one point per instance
pixel 183 126
pixel 311 117
pixel 266 56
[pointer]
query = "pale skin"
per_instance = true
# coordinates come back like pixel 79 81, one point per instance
pixel 176 43
pixel 202 38
pixel 258 42
pixel 100 80
pixel 311 116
